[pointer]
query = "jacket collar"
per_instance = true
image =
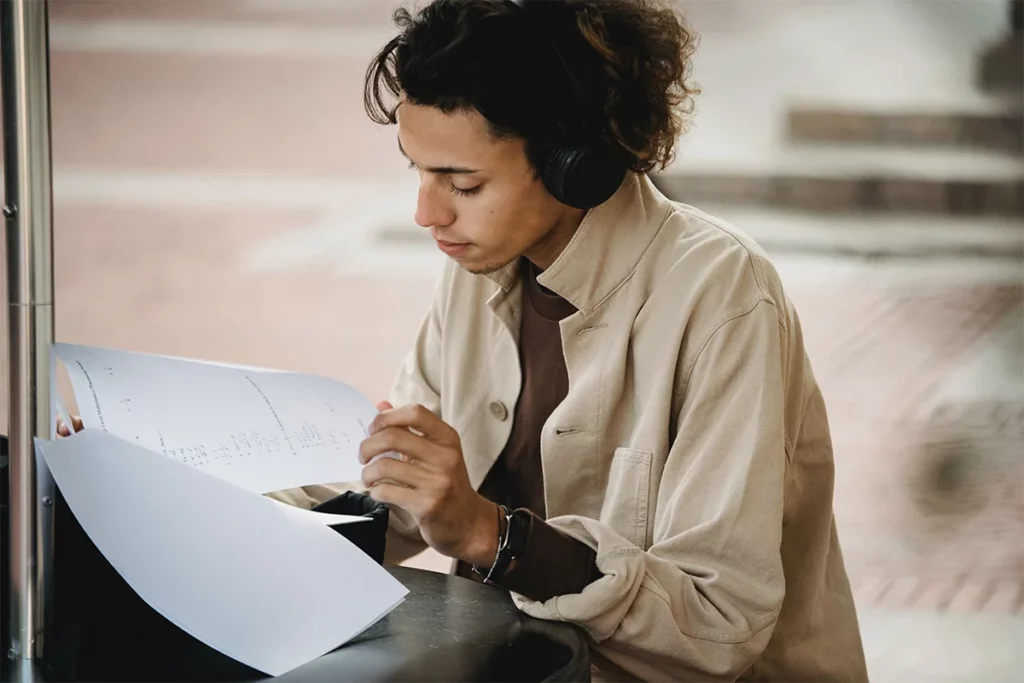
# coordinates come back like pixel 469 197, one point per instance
pixel 606 247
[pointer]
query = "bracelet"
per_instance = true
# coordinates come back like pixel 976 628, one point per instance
pixel 502 516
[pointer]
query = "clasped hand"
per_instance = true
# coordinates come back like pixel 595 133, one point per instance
pixel 429 481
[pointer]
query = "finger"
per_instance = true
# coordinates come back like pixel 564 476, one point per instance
pixel 76 422
pixel 62 429
pixel 384 405
pixel 415 416
pixel 407 499
pixel 389 454
pixel 400 441
pixel 395 472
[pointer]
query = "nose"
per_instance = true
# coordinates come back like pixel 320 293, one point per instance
pixel 433 207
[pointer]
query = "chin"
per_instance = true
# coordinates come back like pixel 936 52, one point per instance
pixel 477 267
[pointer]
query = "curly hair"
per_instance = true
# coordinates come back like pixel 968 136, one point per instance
pixel 475 54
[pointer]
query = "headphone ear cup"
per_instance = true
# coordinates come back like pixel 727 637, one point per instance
pixel 584 177
pixel 557 169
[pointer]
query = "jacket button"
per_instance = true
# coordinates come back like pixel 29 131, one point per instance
pixel 499 411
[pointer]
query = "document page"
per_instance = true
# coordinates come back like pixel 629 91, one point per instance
pixel 262 430
pixel 236 570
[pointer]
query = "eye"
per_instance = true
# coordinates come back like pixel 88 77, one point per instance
pixel 463 192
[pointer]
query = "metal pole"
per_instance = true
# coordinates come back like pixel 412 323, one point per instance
pixel 28 209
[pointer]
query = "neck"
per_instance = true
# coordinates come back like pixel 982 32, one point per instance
pixel 550 247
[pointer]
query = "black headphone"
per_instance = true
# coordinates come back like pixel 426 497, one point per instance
pixel 585 174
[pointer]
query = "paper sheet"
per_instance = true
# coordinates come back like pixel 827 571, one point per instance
pixel 235 570
pixel 260 429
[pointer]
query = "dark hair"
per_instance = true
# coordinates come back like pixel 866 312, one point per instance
pixel 478 54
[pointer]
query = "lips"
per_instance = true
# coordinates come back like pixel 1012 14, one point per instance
pixel 452 248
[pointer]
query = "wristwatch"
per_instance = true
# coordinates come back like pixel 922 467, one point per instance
pixel 511 545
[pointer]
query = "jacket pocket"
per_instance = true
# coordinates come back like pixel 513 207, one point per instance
pixel 626 499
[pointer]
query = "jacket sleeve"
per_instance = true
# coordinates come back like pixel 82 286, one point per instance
pixel 700 603
pixel 418 381
pixel 419 377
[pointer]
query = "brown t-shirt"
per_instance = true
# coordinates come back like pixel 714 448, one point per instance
pixel 552 563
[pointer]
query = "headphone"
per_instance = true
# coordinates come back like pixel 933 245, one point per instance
pixel 587 173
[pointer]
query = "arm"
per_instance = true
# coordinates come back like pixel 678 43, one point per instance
pixel 418 381
pixel 702 601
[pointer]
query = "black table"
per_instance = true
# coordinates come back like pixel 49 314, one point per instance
pixel 454 629
pixel 447 629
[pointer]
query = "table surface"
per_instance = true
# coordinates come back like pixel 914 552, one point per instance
pixel 454 629
pixel 448 628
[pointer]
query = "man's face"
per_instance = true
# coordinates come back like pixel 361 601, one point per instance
pixel 479 197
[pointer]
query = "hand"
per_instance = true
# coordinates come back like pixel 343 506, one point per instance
pixel 429 482
pixel 76 422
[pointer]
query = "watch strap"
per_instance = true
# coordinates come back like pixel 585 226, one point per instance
pixel 511 544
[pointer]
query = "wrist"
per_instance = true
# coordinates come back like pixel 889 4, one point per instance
pixel 481 543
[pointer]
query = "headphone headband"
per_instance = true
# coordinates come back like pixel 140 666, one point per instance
pixel 586 172
pixel 584 91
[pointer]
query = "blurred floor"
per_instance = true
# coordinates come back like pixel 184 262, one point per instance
pixel 220 194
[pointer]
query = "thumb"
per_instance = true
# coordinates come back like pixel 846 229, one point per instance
pixel 384 405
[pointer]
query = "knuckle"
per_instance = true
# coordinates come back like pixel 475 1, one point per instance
pixel 388 439
pixel 449 460
pixel 444 488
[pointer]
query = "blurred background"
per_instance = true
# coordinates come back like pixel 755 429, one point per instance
pixel 220 194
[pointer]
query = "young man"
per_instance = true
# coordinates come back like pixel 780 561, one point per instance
pixel 608 410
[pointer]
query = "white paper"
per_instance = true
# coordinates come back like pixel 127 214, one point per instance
pixel 236 570
pixel 260 429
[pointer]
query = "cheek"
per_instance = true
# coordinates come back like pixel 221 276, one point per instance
pixel 494 225
pixel 506 224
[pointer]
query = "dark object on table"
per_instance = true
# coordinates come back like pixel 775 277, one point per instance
pixel 103 630
pixel 371 536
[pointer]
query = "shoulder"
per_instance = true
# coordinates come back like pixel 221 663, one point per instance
pixel 710 268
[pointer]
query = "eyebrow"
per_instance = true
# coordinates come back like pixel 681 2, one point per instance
pixel 449 170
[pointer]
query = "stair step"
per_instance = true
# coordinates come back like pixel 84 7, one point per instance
pixel 875 236
pixel 861 178
pixel 995 129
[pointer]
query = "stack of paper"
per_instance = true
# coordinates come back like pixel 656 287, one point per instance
pixel 167 478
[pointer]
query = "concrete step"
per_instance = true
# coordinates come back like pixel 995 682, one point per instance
pixel 868 236
pixel 994 127
pixel 862 178
pixel 877 236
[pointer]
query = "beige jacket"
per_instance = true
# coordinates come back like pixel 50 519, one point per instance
pixel 692 451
